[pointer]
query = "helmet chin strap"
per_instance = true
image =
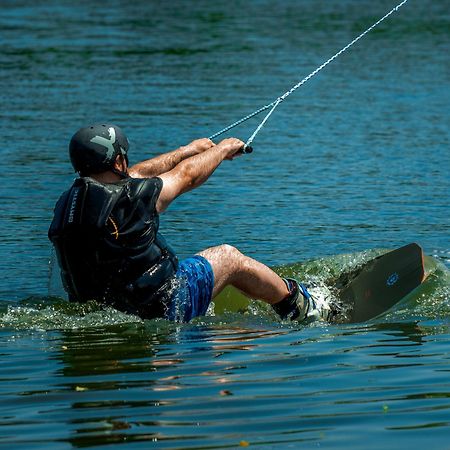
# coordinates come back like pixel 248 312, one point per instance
pixel 121 173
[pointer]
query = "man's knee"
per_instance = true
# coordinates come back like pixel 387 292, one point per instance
pixel 233 259
pixel 223 250
pixel 225 255
pixel 228 251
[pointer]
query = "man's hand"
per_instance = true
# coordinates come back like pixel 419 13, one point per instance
pixel 200 145
pixel 231 146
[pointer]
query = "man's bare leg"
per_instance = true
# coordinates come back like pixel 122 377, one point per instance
pixel 253 278
pixel 287 297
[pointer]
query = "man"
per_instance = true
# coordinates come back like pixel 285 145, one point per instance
pixel 105 232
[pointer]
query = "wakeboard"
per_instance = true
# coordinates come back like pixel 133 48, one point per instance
pixel 382 282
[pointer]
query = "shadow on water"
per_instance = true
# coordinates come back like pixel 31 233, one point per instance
pixel 190 381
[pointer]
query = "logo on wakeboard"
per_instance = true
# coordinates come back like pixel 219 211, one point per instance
pixel 393 278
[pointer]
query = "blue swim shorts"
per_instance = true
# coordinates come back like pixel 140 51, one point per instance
pixel 193 289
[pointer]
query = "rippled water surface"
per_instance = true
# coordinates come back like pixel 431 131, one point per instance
pixel 355 162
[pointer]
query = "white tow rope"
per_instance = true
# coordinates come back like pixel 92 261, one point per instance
pixel 276 102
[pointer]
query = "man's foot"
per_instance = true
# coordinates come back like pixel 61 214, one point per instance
pixel 301 305
pixel 318 306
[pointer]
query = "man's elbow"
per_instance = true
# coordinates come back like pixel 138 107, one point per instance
pixel 161 205
pixel 135 172
pixel 141 170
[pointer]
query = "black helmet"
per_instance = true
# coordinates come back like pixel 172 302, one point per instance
pixel 94 149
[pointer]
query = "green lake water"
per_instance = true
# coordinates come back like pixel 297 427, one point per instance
pixel 355 162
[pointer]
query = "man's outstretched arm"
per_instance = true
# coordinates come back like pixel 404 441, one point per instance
pixel 166 162
pixel 194 171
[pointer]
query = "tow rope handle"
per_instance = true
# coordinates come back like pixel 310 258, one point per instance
pixel 246 149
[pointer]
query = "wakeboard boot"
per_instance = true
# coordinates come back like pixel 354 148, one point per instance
pixel 300 305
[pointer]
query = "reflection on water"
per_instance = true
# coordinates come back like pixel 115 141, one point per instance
pixel 183 386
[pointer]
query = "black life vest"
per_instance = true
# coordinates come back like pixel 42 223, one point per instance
pixel 108 246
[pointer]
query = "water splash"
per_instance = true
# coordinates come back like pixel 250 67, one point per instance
pixel 53 313
pixel 430 301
